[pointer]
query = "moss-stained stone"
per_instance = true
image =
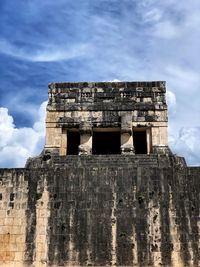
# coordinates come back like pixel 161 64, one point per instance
pixel 100 211
pixel 124 209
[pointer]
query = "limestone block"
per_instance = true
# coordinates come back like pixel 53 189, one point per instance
pixel 159 136
pixel 63 146
pixel 127 143
pixel 53 116
pixel 86 139
pixel 53 137
pixel 161 115
pixel 96 114
pixel 85 147
pixel 126 138
pixel 84 150
pixel 163 136
pixel 19 257
pixel 84 115
pixel 155 136
pixel 147 99
pixel 51 125
pixel 126 121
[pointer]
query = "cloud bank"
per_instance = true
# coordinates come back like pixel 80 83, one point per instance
pixel 187 145
pixel 17 144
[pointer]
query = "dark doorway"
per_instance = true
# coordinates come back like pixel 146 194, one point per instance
pixel 73 142
pixel 106 143
pixel 140 142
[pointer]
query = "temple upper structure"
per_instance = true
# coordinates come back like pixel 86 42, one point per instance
pixel 107 118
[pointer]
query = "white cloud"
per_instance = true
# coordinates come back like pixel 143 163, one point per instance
pixel 46 54
pixel 57 54
pixel 17 144
pixel 187 145
pixel 183 77
pixel 153 15
pixel 6 127
pixel 166 29
pixel 171 102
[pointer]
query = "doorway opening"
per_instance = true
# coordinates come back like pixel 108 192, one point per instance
pixel 140 141
pixel 106 143
pixel 73 142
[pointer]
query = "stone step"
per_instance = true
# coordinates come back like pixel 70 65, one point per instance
pixel 104 158
pixel 111 160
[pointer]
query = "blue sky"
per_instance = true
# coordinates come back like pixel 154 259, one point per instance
pixel 94 40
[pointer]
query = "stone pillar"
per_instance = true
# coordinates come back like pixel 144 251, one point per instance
pixel 149 141
pixel 53 132
pixel 63 147
pixel 126 133
pixel 85 147
pixel 159 140
pixel 53 140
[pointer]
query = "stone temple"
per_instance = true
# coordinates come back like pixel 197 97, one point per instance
pixel 106 189
pixel 107 118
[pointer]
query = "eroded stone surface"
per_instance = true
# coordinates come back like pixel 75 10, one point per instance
pixel 128 209
pixel 95 210
pixel 112 106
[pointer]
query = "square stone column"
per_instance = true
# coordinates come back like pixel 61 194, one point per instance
pixel 149 141
pixel 159 140
pixel 63 147
pixel 126 133
pixel 85 147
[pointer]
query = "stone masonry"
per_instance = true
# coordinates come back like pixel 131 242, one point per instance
pixel 114 106
pixel 106 190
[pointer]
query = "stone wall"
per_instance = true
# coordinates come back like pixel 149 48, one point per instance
pixel 122 106
pixel 100 210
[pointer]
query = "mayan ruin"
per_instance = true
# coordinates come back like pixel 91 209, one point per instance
pixel 106 190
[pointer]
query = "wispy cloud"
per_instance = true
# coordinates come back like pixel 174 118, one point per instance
pixel 44 55
pixel 45 41
pixel 187 144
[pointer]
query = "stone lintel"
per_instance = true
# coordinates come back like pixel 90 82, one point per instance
pixel 126 130
pixel 85 127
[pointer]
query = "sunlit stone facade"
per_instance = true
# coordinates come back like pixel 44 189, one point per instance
pixel 122 117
